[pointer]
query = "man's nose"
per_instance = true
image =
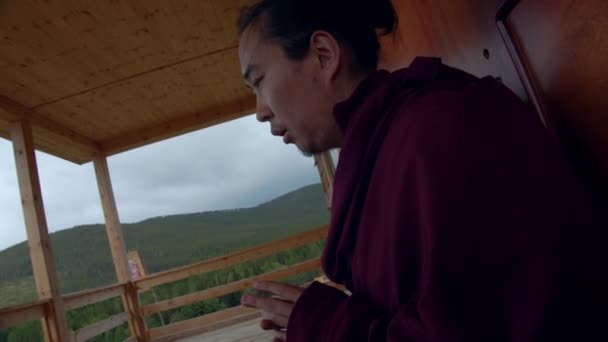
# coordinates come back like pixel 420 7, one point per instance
pixel 263 112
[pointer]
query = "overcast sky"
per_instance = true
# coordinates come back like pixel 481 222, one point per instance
pixel 233 165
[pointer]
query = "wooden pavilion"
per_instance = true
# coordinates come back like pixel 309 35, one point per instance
pixel 87 80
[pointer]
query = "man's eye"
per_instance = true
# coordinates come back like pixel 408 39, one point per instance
pixel 257 82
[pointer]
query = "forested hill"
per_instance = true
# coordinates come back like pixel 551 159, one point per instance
pixel 83 256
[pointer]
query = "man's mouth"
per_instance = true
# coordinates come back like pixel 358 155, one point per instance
pixel 278 132
pixel 287 138
pixel 282 133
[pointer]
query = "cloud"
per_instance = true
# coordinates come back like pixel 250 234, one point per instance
pixel 236 164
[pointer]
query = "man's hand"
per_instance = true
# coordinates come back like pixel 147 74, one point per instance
pixel 275 310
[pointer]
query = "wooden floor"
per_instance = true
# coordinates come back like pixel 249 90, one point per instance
pixel 248 331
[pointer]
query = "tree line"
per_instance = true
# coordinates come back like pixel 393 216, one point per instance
pixel 79 318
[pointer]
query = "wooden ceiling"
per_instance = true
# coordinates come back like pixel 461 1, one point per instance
pixel 107 76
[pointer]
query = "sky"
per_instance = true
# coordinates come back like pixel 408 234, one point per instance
pixel 234 165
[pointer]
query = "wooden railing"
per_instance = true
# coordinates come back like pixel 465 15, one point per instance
pixel 89 297
pixel 135 313
pixel 21 314
pixel 79 299
pixel 198 324
pixel 100 327
pixel 231 259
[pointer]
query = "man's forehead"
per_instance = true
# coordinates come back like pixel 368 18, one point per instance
pixel 249 46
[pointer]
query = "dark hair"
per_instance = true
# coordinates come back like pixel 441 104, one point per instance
pixel 354 23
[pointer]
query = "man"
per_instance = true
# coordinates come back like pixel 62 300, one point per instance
pixel 455 217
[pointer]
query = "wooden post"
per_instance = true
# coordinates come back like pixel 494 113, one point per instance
pixel 138 270
pixel 136 317
pixel 110 213
pixel 326 168
pixel 130 299
pixel 54 324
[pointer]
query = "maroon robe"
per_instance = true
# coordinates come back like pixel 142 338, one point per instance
pixel 455 218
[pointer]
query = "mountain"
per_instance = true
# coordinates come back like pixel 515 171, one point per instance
pixel 83 256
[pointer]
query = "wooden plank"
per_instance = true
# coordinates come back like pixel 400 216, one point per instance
pixel 181 125
pixel 88 297
pixel 41 254
pixel 180 273
pixel 327 171
pixel 152 98
pixel 211 326
pixel 239 285
pixel 131 339
pixel 13 111
pixel 157 333
pixel 323 279
pixel 523 70
pixel 99 328
pixel 10 317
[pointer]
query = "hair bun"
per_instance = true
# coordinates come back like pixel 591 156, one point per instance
pixel 379 14
pixel 383 16
pixel 354 23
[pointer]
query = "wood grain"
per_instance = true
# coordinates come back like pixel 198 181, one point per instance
pixel 54 323
pixel 566 44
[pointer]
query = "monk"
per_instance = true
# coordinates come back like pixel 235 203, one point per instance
pixel 455 216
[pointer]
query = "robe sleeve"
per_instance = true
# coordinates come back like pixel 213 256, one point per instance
pixel 488 182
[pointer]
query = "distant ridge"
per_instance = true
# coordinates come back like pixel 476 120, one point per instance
pixel 83 256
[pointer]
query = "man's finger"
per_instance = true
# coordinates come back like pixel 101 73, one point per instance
pixel 279 336
pixel 285 291
pixel 270 321
pixel 267 324
pixel 268 304
pixel 278 320
pixel 274 322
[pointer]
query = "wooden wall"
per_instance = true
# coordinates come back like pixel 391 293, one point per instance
pixel 564 42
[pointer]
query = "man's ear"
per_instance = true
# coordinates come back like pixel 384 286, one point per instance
pixel 327 51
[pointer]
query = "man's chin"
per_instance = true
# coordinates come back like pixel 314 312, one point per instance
pixel 307 154
pixel 305 150
pixel 310 151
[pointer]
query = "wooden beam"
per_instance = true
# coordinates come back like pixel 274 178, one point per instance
pixel 110 213
pixel 13 111
pixel 88 297
pixel 157 333
pixel 14 316
pixel 180 273
pixel 117 245
pixel 182 125
pixel 327 171
pixel 101 327
pixel 239 285
pixel 41 255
